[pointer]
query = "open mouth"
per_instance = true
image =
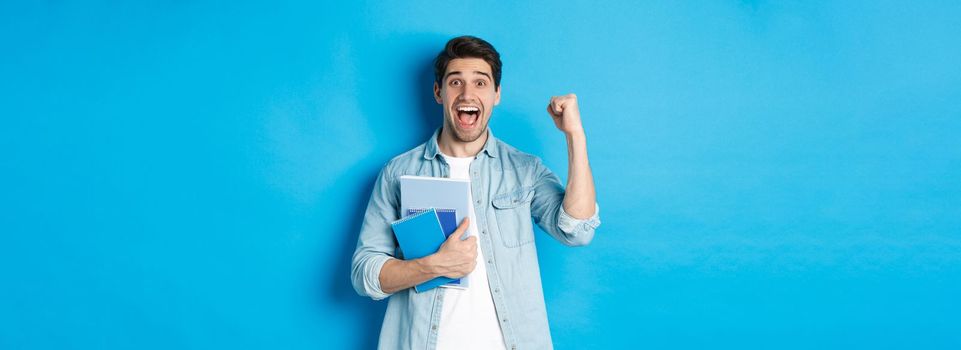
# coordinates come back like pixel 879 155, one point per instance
pixel 467 116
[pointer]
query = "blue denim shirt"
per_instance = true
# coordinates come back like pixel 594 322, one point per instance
pixel 509 188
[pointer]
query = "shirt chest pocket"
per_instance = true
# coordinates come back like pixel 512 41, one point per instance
pixel 512 210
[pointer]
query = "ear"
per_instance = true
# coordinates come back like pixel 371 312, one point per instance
pixel 497 96
pixel 437 97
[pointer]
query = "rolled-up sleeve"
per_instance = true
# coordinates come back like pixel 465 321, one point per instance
pixel 547 209
pixel 367 276
pixel 574 226
pixel 375 244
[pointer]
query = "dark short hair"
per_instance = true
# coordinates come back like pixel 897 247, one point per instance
pixel 468 47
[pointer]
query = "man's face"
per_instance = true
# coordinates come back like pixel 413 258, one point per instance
pixel 468 95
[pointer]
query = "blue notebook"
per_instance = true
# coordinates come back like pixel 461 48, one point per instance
pixel 420 235
pixel 447 218
pixel 448 222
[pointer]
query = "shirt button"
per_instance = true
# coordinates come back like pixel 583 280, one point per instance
pixel 489 261
pixel 497 290
pixel 478 202
pixel 434 327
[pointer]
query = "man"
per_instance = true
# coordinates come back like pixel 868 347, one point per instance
pixel 503 308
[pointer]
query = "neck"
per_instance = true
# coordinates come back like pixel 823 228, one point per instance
pixel 450 146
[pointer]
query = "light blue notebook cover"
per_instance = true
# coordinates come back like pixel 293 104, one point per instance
pixel 421 235
pixel 419 192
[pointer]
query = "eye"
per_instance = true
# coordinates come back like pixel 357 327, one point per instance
pixel 482 83
pixel 455 82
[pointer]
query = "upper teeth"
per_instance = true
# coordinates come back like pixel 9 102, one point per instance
pixel 467 109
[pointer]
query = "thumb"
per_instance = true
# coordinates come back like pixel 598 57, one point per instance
pixel 461 230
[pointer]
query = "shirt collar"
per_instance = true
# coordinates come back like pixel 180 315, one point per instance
pixel 433 149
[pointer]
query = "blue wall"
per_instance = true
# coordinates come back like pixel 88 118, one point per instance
pixel 772 174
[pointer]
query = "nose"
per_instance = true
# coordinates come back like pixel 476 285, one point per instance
pixel 468 91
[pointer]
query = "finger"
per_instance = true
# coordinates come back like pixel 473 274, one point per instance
pixel 558 106
pixel 550 110
pixel 461 229
pixel 464 223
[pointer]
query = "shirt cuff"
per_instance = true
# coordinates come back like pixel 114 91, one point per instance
pixel 372 277
pixel 573 226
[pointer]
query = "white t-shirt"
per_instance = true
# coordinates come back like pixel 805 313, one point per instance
pixel 468 319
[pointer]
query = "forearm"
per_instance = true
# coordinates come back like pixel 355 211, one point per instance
pixel 397 275
pixel 455 259
pixel 580 196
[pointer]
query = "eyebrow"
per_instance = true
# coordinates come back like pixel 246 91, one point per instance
pixel 459 72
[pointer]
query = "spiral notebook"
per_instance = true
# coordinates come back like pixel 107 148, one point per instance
pixel 448 222
pixel 420 235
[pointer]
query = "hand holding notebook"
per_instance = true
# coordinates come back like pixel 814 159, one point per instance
pixel 421 235
pixel 457 257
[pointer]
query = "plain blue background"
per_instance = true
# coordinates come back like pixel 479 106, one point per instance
pixel 772 174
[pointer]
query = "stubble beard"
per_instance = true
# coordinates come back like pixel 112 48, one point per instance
pixel 468 138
